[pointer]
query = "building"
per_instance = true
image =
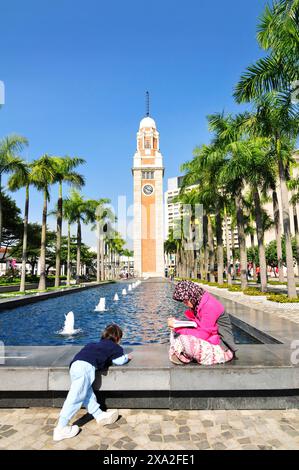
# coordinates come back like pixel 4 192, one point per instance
pixel 172 208
pixel 173 212
pixel 148 172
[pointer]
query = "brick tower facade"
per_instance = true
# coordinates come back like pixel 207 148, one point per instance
pixel 148 172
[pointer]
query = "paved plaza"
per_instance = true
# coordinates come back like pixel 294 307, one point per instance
pixel 150 429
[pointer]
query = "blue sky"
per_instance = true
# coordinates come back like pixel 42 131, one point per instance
pixel 76 73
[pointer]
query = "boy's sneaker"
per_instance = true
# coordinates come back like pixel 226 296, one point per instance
pixel 65 433
pixel 107 417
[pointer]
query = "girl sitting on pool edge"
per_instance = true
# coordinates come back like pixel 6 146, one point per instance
pixel 212 341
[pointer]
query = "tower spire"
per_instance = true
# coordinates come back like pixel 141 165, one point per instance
pixel 147 102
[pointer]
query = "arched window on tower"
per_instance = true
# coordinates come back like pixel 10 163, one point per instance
pixel 147 143
pixel 148 175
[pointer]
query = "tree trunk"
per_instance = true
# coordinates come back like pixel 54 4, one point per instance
pixel 295 214
pixel 98 252
pixel 25 233
pixel 42 278
pixel 201 263
pixel 228 250
pixel 102 260
pixel 205 245
pixel 219 238
pixel 242 240
pixel 211 250
pixel 233 263
pixel 78 251
pixel 68 275
pixel 253 262
pixel 287 228
pixel 58 237
pixel 32 268
pixel 277 226
pixel 260 240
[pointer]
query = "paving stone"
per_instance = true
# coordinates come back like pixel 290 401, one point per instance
pixel 208 423
pixel 126 438
pixel 169 438
pixel 219 446
pixel 5 427
pixel 244 440
pixel 184 429
pixel 112 426
pixel 121 420
pixel 203 445
pixel 51 421
pixel 155 438
pixel 130 446
pixel 8 433
pixel 183 437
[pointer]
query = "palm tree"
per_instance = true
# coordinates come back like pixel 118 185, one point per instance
pixel 293 185
pixel 277 120
pixel 79 211
pixel 9 161
pixel 21 178
pixel 68 214
pixel 103 215
pixel 228 136
pixel 43 175
pixel 129 254
pixel 258 174
pixel 64 174
pixel 278 33
pixel 118 250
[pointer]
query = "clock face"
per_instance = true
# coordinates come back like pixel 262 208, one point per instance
pixel 148 189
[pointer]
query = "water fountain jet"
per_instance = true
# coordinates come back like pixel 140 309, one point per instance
pixel 101 307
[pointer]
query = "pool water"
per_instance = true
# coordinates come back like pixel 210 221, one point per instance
pixel 142 314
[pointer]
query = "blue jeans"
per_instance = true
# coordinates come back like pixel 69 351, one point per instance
pixel 81 393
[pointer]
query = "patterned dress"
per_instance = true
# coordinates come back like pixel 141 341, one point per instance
pixel 187 348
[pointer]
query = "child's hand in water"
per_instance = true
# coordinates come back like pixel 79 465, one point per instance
pixel 170 321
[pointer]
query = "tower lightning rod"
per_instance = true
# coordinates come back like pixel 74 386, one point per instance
pixel 147 104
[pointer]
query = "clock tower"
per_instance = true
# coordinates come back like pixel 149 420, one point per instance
pixel 148 174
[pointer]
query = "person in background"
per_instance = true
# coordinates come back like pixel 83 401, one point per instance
pixel 94 356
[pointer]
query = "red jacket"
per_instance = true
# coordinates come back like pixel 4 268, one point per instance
pixel 208 311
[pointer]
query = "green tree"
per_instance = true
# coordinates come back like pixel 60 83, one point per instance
pixel 79 210
pixel 21 178
pixel 278 34
pixel 9 161
pixel 277 120
pixel 43 175
pixel 12 225
pixel 64 174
